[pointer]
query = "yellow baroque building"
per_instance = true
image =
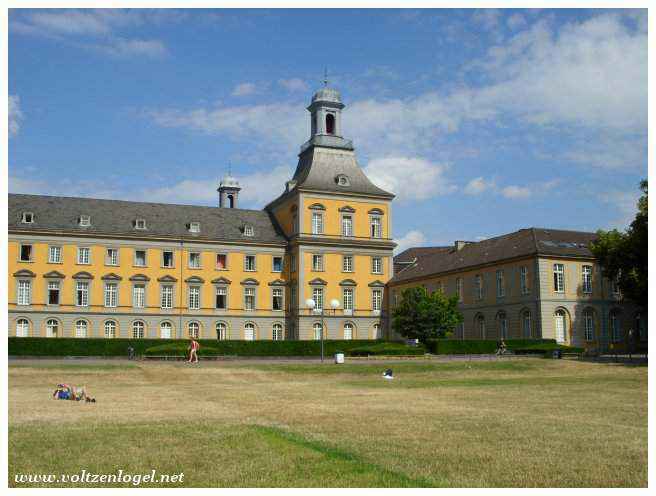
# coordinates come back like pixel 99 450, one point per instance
pixel 81 267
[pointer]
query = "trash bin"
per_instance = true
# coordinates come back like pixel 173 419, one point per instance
pixel 557 354
pixel 339 357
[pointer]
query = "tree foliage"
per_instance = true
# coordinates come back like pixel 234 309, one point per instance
pixel 623 255
pixel 423 315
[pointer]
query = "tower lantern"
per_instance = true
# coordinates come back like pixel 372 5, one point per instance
pixel 228 191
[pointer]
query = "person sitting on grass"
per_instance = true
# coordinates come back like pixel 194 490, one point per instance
pixel 193 351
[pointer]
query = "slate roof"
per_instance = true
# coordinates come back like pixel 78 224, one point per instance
pixel 525 242
pixel 116 217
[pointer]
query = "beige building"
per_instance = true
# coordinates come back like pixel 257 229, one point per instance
pixel 537 283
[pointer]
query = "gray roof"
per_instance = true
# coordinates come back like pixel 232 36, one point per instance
pixel 117 217
pixel 533 241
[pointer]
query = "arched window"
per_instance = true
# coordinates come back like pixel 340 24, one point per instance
pixel 231 201
pixel 22 328
pixel 317 330
pixel 348 331
pixel 376 332
pixel 560 322
pixel 138 328
pixel 615 326
pixel 194 330
pixel 52 328
pixel 165 329
pixel 110 329
pixel 480 325
pixel 276 332
pixel 588 324
pixel 502 321
pixel 249 331
pixel 526 324
pixel 81 329
pixel 330 124
pixel 221 331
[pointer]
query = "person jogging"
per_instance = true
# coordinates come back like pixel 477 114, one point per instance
pixel 193 351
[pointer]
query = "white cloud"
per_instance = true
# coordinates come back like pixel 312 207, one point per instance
pixel 516 21
pixel 478 185
pixel 409 178
pixel 126 47
pixel 15 115
pixel 411 239
pixel 244 89
pixel 625 203
pixel 293 84
pixel 70 22
pixel 516 192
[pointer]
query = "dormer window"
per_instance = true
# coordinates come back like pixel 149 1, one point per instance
pixel 248 230
pixel 84 220
pixel 194 227
pixel 342 180
pixel 140 224
pixel 27 218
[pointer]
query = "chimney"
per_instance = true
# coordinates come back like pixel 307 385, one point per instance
pixel 461 244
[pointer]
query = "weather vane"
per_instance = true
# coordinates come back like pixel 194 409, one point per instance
pixel 325 76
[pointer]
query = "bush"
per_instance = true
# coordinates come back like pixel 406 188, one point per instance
pixel 118 347
pixel 387 349
pixel 546 349
pixel 478 346
pixel 178 349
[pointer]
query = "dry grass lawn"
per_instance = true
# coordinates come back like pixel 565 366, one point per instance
pixel 518 423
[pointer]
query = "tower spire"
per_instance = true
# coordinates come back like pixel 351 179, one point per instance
pixel 325 76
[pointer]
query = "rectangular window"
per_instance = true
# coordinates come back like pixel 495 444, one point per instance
pixel 277 299
pixel 587 278
pixel 111 291
pixel 194 260
pixel 221 298
pixel 249 298
pixel 83 255
pixel 376 300
pixel 317 223
pixel 54 254
pixel 347 225
pixel 347 297
pixel 167 296
pixel 221 261
pixel 376 265
pixel 501 285
pixel 26 253
pixel 139 296
pixel 376 227
pixel 111 256
pixel 588 321
pixel 140 258
pixel 194 227
pixel 277 264
pixel 317 263
pixel 523 280
pixel 249 263
pixel 559 278
pixel 478 287
pixel 24 296
pixel 82 294
pixel 194 298
pixel 167 259
pixel 459 289
pixel 53 292
pixel 85 220
pixel 347 263
pixel 317 296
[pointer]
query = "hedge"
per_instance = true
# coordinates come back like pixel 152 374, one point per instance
pixel 119 346
pixel 478 346
pixel 547 349
pixel 387 349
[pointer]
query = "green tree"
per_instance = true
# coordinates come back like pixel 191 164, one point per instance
pixel 421 315
pixel 623 255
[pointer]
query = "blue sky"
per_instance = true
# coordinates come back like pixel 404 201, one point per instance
pixel 481 121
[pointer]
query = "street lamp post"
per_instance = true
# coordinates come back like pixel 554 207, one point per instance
pixel 311 304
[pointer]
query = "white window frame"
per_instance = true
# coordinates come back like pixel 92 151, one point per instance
pixel 140 224
pixel 250 298
pixel 347 263
pixel 221 331
pixel 52 328
pixel 83 255
pixel 277 332
pixel 164 266
pixel 523 280
pixel 168 327
pixel 277 293
pixel 459 289
pixel 317 262
pixel 376 226
pixel 24 292
pixel 318 297
pixel 526 317
pixel 166 296
pixel 376 299
pixel 111 295
pixel 347 225
pixel 193 297
pixel 82 289
pixel 110 329
pixel 348 335
pixel 586 276
pixel 588 325
pixel 249 231
pixel 193 329
pixel 136 258
pixel 501 284
pixel 478 286
pixel 54 254
pixel 53 286
pixel 22 328
pixel 81 328
pixel 559 278
pixel 85 220
pixel 139 295
pixel 195 255
pixel 376 265
pixel 247 264
pixel 225 261
pixel 31 254
pixel 348 300
pixel 27 218
pixel 112 256
pixel 317 329
pixel 249 331
pixel 194 227
pixel 221 291
pixel 317 223
pixel 273 263
pixel 138 329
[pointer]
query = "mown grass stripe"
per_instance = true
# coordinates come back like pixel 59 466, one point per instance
pixel 396 479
